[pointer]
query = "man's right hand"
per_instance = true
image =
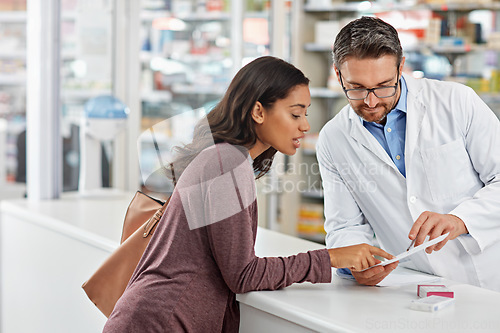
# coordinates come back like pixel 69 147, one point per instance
pixel 374 275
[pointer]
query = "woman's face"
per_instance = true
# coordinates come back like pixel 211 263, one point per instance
pixel 282 125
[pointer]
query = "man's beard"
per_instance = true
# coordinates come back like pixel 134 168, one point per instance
pixel 359 112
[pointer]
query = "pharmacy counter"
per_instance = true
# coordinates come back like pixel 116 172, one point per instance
pixel 49 248
pixel 345 306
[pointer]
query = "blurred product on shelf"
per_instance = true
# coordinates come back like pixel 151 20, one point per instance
pixel 12 38
pixel 12 5
pixel 215 5
pixel 310 222
pixel 309 143
pixel 325 32
pixel 493 41
pixel 319 3
pixel 433 31
pixel 457 2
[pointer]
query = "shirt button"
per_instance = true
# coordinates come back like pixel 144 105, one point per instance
pixel 413 199
pixel 389 130
pixel 398 157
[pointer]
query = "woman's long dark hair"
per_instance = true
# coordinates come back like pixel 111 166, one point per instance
pixel 265 80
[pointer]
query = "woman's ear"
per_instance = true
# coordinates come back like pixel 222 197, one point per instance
pixel 258 113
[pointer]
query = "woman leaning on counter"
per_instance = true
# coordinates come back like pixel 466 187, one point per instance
pixel 202 252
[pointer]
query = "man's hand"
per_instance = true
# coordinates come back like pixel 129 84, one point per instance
pixel 435 225
pixel 374 275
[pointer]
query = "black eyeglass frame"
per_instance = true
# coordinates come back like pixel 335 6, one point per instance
pixel 368 90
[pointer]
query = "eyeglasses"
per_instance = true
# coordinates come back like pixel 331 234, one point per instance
pixel 359 94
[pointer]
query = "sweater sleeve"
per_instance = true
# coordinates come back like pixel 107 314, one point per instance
pixel 232 242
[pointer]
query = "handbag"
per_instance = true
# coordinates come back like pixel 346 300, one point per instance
pixel 108 283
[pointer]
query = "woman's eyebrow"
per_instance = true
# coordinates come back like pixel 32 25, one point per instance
pixel 300 105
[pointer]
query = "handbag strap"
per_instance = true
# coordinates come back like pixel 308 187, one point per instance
pixel 153 220
pixel 158 154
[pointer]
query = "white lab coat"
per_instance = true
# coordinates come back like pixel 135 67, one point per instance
pixel 452 157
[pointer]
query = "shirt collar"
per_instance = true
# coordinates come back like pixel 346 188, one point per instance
pixel 401 106
pixel 249 159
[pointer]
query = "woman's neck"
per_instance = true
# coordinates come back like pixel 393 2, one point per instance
pixel 258 148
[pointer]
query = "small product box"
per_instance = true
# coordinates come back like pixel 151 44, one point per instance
pixel 431 303
pixel 426 290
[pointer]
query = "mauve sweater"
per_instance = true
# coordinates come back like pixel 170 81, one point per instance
pixel 202 254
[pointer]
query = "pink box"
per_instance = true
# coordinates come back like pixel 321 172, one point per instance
pixel 425 290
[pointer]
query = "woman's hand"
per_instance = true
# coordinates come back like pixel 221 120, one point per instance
pixel 356 257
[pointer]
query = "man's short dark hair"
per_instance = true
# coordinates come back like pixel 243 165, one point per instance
pixel 366 37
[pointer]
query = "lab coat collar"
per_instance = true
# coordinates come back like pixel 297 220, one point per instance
pixel 360 134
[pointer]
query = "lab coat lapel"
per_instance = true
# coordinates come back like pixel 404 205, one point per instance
pixel 416 112
pixel 360 134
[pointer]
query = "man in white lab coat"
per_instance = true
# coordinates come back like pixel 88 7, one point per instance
pixel 409 158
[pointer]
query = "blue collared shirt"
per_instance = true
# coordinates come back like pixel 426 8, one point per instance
pixel 392 135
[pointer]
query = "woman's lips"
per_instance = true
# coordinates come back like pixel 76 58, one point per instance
pixel 296 142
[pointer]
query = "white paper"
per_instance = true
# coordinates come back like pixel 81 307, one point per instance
pixel 414 250
pixel 402 277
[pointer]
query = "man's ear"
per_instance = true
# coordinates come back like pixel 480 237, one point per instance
pixel 258 113
pixel 401 66
pixel 337 73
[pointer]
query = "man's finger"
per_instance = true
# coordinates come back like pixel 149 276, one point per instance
pixel 416 226
pixel 374 279
pixel 425 230
pixel 436 232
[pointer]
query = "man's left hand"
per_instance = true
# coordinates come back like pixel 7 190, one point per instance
pixel 435 225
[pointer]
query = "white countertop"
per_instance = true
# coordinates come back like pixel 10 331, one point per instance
pixel 342 306
pixel 345 306
pixel 97 220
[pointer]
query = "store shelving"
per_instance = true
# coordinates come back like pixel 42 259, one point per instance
pixel 12 98
pixel 14 54
pixel 156 96
pixel 150 15
pixel 197 44
pixel 374 7
pixel 189 54
pixel 323 92
pixel 180 54
pixel 12 79
pixel 190 89
pixel 83 95
pixel 12 17
pixel 313 194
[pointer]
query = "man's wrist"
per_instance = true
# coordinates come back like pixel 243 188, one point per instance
pixel 462 228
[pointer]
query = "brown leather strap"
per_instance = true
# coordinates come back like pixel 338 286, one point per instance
pixel 148 228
